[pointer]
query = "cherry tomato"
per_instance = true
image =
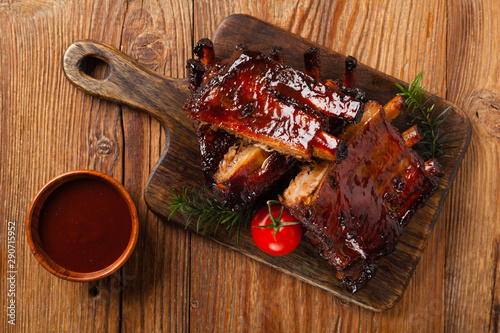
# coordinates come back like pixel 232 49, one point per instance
pixel 279 236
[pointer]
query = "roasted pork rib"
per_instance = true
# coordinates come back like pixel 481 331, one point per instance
pixel 254 120
pixel 355 211
pixel 238 172
pixel 257 120
pixel 265 102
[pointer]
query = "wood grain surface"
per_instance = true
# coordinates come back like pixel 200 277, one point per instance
pixel 177 281
pixel 132 84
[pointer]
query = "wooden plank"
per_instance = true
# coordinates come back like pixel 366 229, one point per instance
pixel 384 50
pixel 42 135
pixel 472 220
pixel 401 263
pixel 157 35
pixel 48 128
pixel 124 69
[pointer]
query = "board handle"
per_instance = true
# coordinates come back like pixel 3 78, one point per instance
pixel 127 82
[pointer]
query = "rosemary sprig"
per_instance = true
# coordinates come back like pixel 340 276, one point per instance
pixel 434 144
pixel 199 206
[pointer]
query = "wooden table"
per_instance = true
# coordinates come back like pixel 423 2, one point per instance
pixel 179 281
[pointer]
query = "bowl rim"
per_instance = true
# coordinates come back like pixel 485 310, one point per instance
pixel 32 226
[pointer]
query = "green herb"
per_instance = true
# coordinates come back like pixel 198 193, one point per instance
pixel 199 206
pixel 434 143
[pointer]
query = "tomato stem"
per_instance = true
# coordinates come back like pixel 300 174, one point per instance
pixel 276 223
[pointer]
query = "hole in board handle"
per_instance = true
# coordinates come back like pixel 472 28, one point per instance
pixel 95 67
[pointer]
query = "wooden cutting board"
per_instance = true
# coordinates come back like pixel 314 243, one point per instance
pixel 134 85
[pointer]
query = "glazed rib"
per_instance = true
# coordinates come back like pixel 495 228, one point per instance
pixel 355 211
pixel 238 169
pixel 214 145
pixel 263 101
pixel 246 173
pixel 257 118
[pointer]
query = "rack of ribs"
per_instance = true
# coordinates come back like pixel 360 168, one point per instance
pixel 356 178
pixel 355 211
pixel 263 117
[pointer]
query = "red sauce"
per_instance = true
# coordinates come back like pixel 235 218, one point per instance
pixel 85 225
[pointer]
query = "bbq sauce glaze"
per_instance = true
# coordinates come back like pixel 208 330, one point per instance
pixel 85 225
pixel 266 101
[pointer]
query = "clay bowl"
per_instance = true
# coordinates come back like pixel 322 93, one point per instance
pixel 46 237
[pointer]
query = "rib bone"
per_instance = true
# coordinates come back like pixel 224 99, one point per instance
pixel 312 63
pixel 204 50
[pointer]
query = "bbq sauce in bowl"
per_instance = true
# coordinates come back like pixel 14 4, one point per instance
pixel 85 226
pixel 82 225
